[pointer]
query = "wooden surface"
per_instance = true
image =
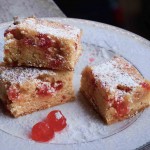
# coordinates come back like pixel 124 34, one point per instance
pixel 25 8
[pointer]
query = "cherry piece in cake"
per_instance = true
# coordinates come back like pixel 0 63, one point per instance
pixel 58 85
pixel 44 41
pixel 13 93
pixel 42 132
pixel 48 89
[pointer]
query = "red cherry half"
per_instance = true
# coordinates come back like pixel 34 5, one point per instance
pixel 56 120
pixel 42 132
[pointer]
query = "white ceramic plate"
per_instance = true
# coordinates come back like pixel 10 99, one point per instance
pixel 85 130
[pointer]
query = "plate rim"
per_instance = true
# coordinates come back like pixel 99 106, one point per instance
pixel 136 37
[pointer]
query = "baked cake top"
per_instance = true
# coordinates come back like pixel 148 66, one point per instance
pixel 21 74
pixel 116 74
pixel 48 27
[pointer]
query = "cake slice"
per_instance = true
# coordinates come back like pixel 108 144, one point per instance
pixel 25 90
pixel 42 43
pixel 116 89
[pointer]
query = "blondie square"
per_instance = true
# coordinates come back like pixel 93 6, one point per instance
pixel 116 89
pixel 25 90
pixel 42 43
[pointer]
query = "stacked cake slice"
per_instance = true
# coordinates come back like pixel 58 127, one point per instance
pixel 39 57
pixel 41 43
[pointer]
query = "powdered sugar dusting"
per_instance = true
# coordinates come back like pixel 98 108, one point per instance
pixel 58 115
pixel 20 74
pixel 111 74
pixel 9 41
pixel 52 28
